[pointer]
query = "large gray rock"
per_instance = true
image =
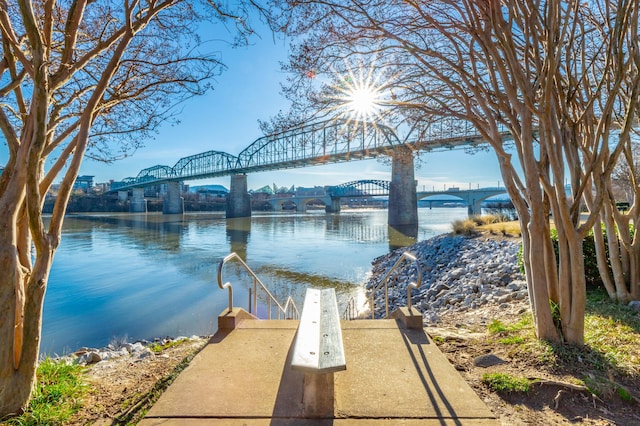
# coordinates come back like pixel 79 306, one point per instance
pixel 635 305
pixel 487 360
pixel 90 358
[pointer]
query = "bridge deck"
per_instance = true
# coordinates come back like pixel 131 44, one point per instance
pixel 316 143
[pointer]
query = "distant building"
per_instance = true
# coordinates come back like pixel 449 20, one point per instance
pixel 84 183
pixel 318 191
pixel 208 191
pixel 267 190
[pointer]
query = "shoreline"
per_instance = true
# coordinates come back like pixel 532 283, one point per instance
pixel 459 274
pixel 136 351
pixel 123 374
pixel 123 389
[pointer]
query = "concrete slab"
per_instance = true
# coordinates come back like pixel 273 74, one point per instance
pixel 400 373
pixel 317 422
pixel 394 376
pixel 242 373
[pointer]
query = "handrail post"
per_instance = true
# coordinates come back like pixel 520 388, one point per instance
pixel 254 296
pixel 404 257
pixel 386 298
pixel 226 285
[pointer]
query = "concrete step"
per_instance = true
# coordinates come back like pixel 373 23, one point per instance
pixel 394 376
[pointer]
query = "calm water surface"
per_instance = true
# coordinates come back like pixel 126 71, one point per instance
pixel 139 276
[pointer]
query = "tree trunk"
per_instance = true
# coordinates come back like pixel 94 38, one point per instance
pixel 601 259
pixel 545 327
pixel 573 325
pixel 15 383
pixel 615 255
pixel 22 289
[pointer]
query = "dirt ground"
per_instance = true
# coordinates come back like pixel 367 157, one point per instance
pixel 555 400
pixel 122 390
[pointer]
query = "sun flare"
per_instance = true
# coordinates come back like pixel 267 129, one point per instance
pixel 363 101
pixel 360 94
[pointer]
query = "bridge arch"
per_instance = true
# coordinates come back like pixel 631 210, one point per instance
pixel 329 141
pixel 438 196
pixel 473 197
pixel 204 164
pixel 154 173
pixel 301 203
pixel 359 188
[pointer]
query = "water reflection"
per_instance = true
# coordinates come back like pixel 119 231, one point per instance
pixel 358 226
pixel 238 230
pixel 402 236
pixel 149 275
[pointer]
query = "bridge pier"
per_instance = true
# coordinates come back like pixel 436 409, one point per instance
pixel 123 195
pixel 333 206
pixel 475 207
pixel 173 202
pixel 238 199
pixel 403 200
pixel 301 205
pixel 138 204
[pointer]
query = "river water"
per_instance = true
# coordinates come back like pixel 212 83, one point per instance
pixel 139 276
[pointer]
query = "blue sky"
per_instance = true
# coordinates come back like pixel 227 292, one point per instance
pixel 226 119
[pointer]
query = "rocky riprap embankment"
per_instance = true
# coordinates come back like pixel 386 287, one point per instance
pixel 132 351
pixel 458 274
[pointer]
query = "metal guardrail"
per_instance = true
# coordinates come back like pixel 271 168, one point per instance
pixel 405 257
pixel 289 311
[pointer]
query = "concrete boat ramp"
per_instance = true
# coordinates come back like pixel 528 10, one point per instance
pixel 394 375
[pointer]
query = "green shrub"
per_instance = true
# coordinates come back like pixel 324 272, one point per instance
pixel 591 272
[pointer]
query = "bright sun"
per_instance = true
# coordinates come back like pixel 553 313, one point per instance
pixel 363 101
pixel 359 94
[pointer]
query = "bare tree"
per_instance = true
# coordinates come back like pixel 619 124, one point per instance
pixel 617 244
pixel 548 79
pixel 626 173
pixel 77 77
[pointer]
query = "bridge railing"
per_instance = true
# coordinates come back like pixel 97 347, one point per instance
pixel 328 141
pixel 321 142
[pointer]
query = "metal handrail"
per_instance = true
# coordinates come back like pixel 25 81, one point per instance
pixel 404 257
pixel 289 310
pixel 351 311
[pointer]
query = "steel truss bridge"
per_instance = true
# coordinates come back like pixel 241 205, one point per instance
pixel 331 141
pixel 373 188
pixel 360 188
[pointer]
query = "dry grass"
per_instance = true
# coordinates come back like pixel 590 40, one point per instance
pixel 508 229
pixel 494 224
pixel 464 227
